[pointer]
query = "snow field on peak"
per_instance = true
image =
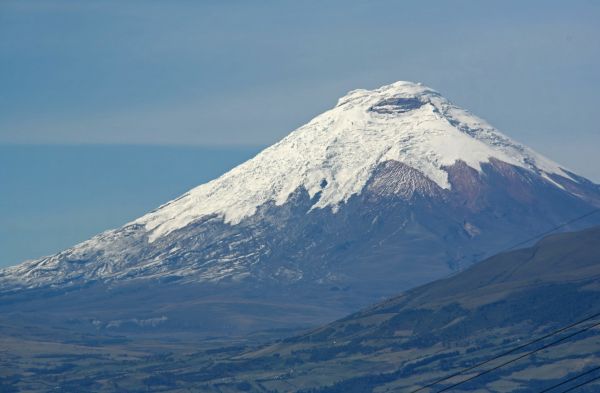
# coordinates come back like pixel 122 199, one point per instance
pixel 336 153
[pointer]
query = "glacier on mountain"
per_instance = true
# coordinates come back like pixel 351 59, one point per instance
pixel 334 155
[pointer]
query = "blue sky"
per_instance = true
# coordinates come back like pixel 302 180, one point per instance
pixel 239 73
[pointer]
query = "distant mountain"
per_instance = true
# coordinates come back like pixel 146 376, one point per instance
pixel 441 328
pixel 391 188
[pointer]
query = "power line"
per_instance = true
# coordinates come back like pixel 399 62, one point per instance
pixel 507 353
pixel 570 379
pixel 582 384
pixel 553 229
pixel 523 242
pixel 519 357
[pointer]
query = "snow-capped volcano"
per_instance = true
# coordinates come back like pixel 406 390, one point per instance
pixel 336 153
pixel 391 188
